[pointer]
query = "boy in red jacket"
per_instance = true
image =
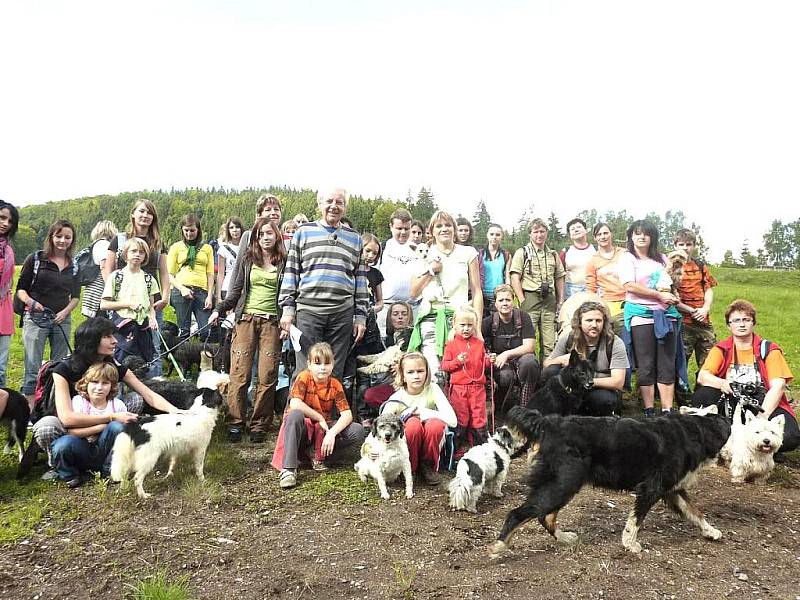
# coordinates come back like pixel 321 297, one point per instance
pixel 465 359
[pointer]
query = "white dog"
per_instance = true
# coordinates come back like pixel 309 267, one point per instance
pixel 381 362
pixel 482 467
pixel 141 443
pixel 387 440
pixel 751 448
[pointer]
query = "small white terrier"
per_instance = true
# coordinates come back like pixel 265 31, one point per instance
pixel 752 446
pixel 387 440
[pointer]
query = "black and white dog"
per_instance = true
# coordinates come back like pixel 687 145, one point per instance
pixel 387 440
pixel 181 394
pixel 483 467
pixel 16 417
pixel 141 443
pixel 655 458
pixel 564 393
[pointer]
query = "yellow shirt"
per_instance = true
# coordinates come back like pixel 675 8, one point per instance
pixel 178 265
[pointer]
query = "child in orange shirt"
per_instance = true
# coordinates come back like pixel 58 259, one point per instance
pixel 465 359
pixel 309 422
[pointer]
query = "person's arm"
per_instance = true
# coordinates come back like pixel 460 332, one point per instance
pixel 209 303
pixel 419 282
pixel 235 289
pixel 84 432
pixel 67 310
pixel 646 292
pixel 507 273
pixel 378 298
pixel 591 277
pixel 561 360
pixel 287 297
pixel 449 362
pixel 328 443
pixel 777 387
pixel 444 411
pixel 157 401
pixel 474 275
pixel 109 264
pixel 708 379
pixel 516 284
pixel 701 313
pixel 527 347
pixel 164 282
pixel 24 285
pixel 220 276
pixel 298 404
pixel 615 382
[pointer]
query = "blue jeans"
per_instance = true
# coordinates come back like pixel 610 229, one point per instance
pixel 33 341
pixel 5 345
pixel 184 308
pixel 573 288
pixel 72 455
pixel 157 370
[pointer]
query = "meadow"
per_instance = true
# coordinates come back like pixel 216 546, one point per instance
pixel 237 476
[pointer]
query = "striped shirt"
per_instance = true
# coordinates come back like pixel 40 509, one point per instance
pixel 324 272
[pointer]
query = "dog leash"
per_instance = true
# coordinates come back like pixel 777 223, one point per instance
pixel 174 362
pixel 169 351
pixel 491 392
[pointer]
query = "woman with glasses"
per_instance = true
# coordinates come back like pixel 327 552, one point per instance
pixel 593 339
pixel 650 316
pixel 752 365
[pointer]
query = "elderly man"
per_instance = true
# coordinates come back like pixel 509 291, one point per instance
pixel 324 290
pixel 537 276
pixel 509 338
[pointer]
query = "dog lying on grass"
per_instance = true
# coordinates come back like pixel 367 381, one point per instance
pixel 657 459
pixel 141 443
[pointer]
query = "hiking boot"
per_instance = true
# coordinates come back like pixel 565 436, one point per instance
pixel 288 478
pixel 258 437
pixel 649 412
pixel 429 474
pixel 78 481
pixel 50 475
pixel 234 435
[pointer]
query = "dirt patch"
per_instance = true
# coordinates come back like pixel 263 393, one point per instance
pixel 240 536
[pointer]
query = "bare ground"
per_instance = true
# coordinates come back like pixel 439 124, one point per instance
pixel 241 536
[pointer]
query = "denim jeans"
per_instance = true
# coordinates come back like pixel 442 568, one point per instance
pixel 33 341
pixel 72 455
pixel 5 345
pixel 157 370
pixel 185 307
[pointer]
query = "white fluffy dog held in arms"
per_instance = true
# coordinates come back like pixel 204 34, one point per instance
pixel 384 455
pixel 141 443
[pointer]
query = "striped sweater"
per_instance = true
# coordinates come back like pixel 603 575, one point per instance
pixel 324 272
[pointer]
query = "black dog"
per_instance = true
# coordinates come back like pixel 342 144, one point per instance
pixel 180 394
pixel 656 458
pixel 564 393
pixel 16 417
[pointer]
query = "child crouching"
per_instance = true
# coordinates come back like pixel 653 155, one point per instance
pixel 308 424
pixel 465 359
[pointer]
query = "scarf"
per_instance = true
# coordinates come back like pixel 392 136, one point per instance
pixel 6 267
pixel 192 248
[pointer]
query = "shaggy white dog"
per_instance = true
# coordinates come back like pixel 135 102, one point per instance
pixel 141 443
pixel 751 448
pixel 387 440
pixel 483 467
pixel 381 362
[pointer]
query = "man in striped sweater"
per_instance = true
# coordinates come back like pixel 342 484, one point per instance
pixel 324 290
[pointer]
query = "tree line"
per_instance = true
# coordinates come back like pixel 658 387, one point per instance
pixel 215 205
pixel 781 249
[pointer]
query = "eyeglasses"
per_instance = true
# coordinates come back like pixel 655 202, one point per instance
pixel 740 321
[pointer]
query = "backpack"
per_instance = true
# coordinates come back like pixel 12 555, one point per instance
pixel 19 306
pixel 516 316
pixel 88 270
pixel 526 265
pixel 44 403
pixel 701 264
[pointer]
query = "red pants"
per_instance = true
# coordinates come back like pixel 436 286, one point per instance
pixel 469 403
pixel 424 439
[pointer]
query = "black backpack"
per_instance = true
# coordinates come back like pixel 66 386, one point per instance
pixel 88 270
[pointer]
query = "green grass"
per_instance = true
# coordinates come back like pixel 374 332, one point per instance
pixel 339 486
pixel 158 587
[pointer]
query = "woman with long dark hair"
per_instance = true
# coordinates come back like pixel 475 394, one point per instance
pixel 650 316
pixel 49 288
pixel 9 222
pixel 191 268
pixel 253 295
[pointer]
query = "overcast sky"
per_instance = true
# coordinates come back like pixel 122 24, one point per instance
pixel 566 105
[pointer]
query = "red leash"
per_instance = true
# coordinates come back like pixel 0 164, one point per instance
pixel 491 393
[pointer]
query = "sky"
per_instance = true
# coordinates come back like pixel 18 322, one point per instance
pixel 560 105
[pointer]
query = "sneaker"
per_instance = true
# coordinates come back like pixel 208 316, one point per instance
pixel 78 481
pixel 50 475
pixel 318 465
pixel 288 478
pixel 257 437
pixel 669 411
pixel 429 474
pixel 234 435
pixel 649 412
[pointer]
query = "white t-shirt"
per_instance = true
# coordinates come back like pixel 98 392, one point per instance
pixel 227 252
pixel 82 406
pixel 454 275
pixel 575 261
pixel 430 404
pixel 399 263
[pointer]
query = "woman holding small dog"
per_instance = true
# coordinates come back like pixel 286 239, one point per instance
pixel 253 296
pixel 745 359
pixel 650 316
pixel 454 268
pixel 424 409
pixel 592 337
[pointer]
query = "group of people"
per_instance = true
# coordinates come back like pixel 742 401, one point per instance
pixel 464 317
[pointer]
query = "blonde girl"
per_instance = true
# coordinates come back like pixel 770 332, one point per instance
pixel 425 411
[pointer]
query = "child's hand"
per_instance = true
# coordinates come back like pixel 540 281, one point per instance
pixel 327 444
pixel 462 357
pixel 323 424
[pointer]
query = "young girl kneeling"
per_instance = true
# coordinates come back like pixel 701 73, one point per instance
pixel 426 412
pixel 308 423
pixel 86 449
